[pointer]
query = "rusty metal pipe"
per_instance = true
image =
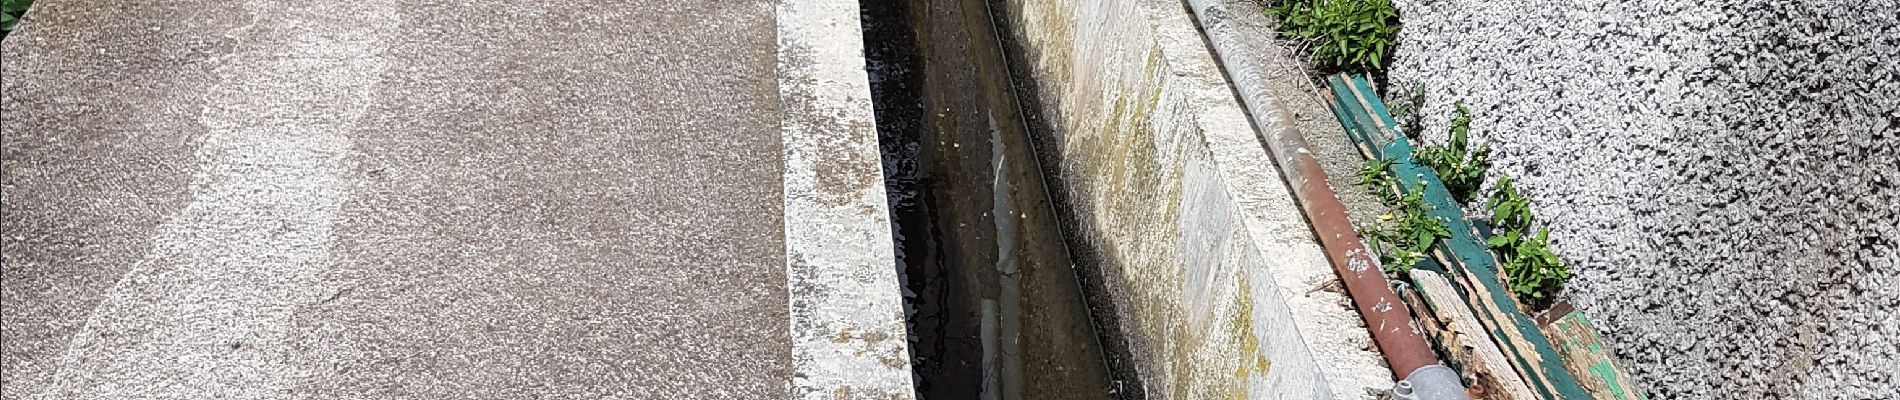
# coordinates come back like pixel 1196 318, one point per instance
pixel 1397 335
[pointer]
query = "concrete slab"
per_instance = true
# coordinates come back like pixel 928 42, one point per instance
pixel 423 199
pixel 848 334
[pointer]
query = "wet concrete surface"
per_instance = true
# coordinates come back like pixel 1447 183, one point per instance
pixel 998 313
pixel 402 199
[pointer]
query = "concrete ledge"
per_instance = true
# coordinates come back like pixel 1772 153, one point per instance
pixel 1219 288
pixel 847 320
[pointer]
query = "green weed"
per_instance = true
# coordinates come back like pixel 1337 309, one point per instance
pixel 1509 210
pixel 1345 35
pixel 1373 177
pixel 1461 167
pixel 1407 230
pixel 1534 272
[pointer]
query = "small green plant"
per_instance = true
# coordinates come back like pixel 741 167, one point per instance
pixel 1461 167
pixel 10 13
pixel 1346 35
pixel 1509 210
pixel 1534 272
pixel 1412 233
pixel 1406 232
pixel 1373 177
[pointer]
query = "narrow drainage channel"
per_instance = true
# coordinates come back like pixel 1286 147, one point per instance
pixel 994 308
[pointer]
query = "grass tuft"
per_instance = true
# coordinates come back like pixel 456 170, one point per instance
pixel 1344 35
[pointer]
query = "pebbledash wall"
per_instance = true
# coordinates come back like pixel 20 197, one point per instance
pixel 1204 274
pixel 1720 175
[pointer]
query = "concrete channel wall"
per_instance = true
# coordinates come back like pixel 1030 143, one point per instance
pixel 1181 226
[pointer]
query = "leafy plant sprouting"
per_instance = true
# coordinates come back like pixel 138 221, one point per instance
pixel 1373 177
pixel 1346 35
pixel 1407 230
pixel 1533 271
pixel 1411 235
pixel 1509 210
pixel 1461 167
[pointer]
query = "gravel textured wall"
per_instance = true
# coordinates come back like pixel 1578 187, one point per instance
pixel 1721 175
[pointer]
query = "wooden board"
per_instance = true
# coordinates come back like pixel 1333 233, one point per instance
pixel 1463 338
pixel 1584 354
pixel 1468 264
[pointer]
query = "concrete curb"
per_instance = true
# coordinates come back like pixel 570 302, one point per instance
pixel 847 319
pixel 1234 36
pixel 1342 359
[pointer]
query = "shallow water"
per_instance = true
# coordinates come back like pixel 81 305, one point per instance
pixel 998 313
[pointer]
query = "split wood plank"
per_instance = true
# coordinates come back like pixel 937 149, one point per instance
pixel 1469 264
pixel 1585 355
pixel 1481 362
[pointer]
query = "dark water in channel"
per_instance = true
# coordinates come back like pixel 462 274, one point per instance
pixel 995 309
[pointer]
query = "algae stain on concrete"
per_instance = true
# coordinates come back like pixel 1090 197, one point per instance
pixel 1233 360
pixel 1246 346
pixel 1252 361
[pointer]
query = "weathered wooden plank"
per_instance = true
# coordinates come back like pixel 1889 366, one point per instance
pixel 1583 354
pixel 1356 130
pixel 1479 359
pixel 1466 259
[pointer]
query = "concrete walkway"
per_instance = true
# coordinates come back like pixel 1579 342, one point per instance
pixel 401 199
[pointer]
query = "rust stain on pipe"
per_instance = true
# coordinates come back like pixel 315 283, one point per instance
pixel 1393 329
pixel 1395 332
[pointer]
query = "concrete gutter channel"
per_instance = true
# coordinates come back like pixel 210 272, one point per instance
pixel 1207 273
pixel 1201 276
pixel 993 302
pixel 1130 112
pixel 1196 258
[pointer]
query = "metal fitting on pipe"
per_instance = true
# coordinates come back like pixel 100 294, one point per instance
pixel 1431 382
